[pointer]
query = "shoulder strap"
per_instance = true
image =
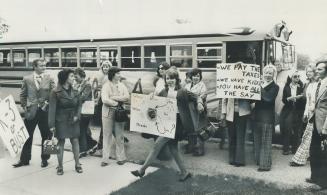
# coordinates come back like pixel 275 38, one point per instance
pixel 138 85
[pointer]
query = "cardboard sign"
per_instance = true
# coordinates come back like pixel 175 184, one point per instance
pixel 153 115
pixel 238 80
pixel 12 128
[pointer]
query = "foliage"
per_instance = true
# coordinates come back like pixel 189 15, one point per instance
pixel 303 60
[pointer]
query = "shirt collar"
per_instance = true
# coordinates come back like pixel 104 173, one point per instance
pixel 38 75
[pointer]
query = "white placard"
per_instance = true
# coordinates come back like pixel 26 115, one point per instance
pixel 12 128
pixel 238 81
pixel 153 114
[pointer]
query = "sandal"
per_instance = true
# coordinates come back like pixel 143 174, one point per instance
pixel 60 171
pixel 79 169
pixel 137 173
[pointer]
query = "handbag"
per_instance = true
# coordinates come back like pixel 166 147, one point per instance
pixel 88 107
pixel 120 113
pixel 50 148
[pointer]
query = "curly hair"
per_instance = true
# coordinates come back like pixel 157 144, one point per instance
pixel 80 72
pixel 63 75
pixel 196 71
pixel 162 65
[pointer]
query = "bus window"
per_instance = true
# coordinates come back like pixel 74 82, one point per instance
pixel 69 57
pixel 88 56
pixel 131 57
pixel 109 53
pixel 153 55
pixel 249 52
pixel 181 56
pixel 208 55
pixel 5 60
pixel 19 56
pixel 51 55
pixel 33 54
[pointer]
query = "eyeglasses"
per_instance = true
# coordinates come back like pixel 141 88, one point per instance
pixel 296 76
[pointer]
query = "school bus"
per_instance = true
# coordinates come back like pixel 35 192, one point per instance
pixel 138 57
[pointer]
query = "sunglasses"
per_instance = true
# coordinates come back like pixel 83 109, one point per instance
pixel 296 76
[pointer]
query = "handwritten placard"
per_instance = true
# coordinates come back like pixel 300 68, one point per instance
pixel 12 127
pixel 153 115
pixel 238 81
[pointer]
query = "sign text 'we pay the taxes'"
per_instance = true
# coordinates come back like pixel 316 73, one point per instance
pixel 238 80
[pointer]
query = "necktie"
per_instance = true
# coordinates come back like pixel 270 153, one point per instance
pixel 317 91
pixel 38 80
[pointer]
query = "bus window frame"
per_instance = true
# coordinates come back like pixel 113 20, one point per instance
pixel 114 47
pixel 10 57
pixel 13 57
pixel 140 58
pixel 28 57
pixel 93 58
pixel 191 44
pixel 62 58
pixel 58 58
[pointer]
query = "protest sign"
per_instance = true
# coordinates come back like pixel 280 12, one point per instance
pixel 238 81
pixel 12 128
pixel 153 115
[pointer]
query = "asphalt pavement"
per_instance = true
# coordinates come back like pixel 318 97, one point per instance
pixel 95 179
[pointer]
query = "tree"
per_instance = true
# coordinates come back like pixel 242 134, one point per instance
pixel 3 27
pixel 303 60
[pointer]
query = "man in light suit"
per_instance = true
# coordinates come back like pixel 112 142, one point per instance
pixel 34 99
pixel 318 147
pixel 236 112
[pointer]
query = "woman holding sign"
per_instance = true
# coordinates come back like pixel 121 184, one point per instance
pixel 264 118
pixel 183 122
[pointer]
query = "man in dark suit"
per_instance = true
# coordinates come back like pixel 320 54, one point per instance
pixel 34 99
pixel 318 147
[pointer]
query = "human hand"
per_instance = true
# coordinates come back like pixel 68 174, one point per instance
pixel 200 107
pixel 52 129
pixel 54 141
pixel 75 119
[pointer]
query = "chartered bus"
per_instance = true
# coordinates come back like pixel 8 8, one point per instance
pixel 138 57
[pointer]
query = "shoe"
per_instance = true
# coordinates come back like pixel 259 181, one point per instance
pixel 121 162
pixel 137 173
pixel 44 163
pixel 103 164
pixel 294 164
pixel 315 188
pixel 82 154
pixel 20 163
pixel 287 152
pixel 78 169
pixel 263 170
pixel 60 171
pixel 126 140
pixel 185 176
pixel 239 165
pixel 309 180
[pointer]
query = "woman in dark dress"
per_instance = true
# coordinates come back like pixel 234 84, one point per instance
pixel 64 116
pixel 173 90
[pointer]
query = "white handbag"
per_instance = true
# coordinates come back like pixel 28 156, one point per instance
pixel 88 107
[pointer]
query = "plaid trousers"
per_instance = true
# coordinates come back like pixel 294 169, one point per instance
pixel 302 152
pixel 262 144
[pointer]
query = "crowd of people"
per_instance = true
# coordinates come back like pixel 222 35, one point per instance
pixel 57 110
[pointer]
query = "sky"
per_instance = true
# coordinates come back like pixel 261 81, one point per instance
pixel 31 20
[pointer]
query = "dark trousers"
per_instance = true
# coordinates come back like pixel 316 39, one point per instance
pixel 40 119
pixel 291 128
pixel 318 160
pixel 99 116
pixel 236 139
pixel 84 125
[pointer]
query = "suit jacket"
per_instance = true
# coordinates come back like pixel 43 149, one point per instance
pixel 32 97
pixel 227 108
pixel 299 104
pixel 320 112
pixel 264 110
